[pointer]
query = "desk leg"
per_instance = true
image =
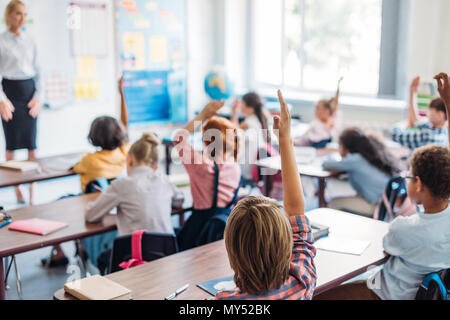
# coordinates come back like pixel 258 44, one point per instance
pixel 168 159
pixel 321 193
pixel 2 281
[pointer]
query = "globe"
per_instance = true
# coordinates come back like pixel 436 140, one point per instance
pixel 218 85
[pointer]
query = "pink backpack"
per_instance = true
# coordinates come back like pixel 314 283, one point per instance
pixel 136 251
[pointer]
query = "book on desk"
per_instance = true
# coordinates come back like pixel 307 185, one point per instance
pixel 97 287
pixel 21 166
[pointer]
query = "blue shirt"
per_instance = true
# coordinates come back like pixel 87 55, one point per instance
pixel 418 245
pixel 366 179
pixel 422 134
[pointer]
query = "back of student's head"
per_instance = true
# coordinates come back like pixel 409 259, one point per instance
pixel 253 100
pixel 258 239
pixel 432 165
pixel 226 131
pixel 145 150
pixel 438 105
pixel 371 148
pixel 106 133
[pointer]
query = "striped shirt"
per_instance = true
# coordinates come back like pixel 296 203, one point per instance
pixel 422 134
pixel 301 281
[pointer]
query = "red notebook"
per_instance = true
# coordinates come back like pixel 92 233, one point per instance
pixel 36 226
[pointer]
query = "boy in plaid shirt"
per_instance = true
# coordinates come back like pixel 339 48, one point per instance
pixel 420 133
pixel 271 253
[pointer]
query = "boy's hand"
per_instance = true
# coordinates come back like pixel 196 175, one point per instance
pixel 443 87
pixel 211 109
pixel 415 84
pixel 282 123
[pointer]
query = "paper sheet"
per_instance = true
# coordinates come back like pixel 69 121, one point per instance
pixel 342 245
pixel 134 51
pixel 158 49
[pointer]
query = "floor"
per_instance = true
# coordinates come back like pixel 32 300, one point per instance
pixel 39 283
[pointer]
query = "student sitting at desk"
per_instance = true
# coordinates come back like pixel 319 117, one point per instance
pixel 270 248
pixel 214 174
pixel 143 198
pixel 369 165
pixel 422 132
pixel 326 125
pixel 255 126
pixel 417 244
pixel 110 136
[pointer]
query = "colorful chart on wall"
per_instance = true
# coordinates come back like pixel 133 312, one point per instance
pixel 152 52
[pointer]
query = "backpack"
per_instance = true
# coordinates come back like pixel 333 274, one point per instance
pixel 395 201
pixel 435 286
pixel 136 251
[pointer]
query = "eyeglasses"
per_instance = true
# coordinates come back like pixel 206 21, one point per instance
pixel 408 177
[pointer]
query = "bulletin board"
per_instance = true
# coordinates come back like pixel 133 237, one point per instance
pixel 151 40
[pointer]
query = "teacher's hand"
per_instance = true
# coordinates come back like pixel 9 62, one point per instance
pixel 35 107
pixel 6 110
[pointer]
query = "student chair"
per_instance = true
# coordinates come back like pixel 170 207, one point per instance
pixel 435 286
pixel 154 246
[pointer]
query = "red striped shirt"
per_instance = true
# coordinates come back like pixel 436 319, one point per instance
pixel 302 271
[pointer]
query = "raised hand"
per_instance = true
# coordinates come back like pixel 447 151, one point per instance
pixel 6 110
pixel 414 86
pixel 443 83
pixel 282 123
pixel 211 109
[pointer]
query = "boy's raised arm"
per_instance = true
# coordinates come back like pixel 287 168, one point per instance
pixel 294 202
pixel 412 108
pixel 444 91
pixel 123 105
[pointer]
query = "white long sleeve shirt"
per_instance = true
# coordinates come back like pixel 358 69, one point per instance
pixel 19 61
pixel 143 201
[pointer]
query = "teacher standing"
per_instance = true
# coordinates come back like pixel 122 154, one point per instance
pixel 20 90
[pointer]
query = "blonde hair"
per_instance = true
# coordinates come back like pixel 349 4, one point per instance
pixel 145 149
pixel 10 8
pixel 258 239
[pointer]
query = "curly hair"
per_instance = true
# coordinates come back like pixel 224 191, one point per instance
pixel 432 165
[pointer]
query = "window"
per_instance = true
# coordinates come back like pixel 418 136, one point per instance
pixel 309 44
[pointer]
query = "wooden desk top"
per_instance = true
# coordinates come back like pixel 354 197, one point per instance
pixel 70 211
pixel 159 278
pixel 51 168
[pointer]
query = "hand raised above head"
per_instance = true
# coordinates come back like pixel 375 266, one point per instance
pixel 282 123
pixel 414 86
pixel 443 83
pixel 211 108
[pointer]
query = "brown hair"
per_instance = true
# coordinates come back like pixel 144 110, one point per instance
pixel 258 239
pixel 10 8
pixel 145 149
pixel 371 148
pixel 253 101
pixel 106 133
pixel 439 105
pixel 230 142
pixel 328 104
pixel 432 165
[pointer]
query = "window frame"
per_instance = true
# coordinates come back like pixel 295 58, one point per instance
pixel 393 62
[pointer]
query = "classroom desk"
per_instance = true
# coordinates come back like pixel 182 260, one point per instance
pixel 50 168
pixel 313 169
pixel 157 279
pixel 70 211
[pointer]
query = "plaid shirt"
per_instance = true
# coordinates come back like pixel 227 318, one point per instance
pixel 302 271
pixel 421 135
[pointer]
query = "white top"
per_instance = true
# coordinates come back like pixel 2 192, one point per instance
pixel 19 60
pixel 143 201
pixel 418 245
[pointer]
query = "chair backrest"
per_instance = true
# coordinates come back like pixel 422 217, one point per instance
pixel 154 246
pixel 435 286
pixel 95 185
pixel 213 229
